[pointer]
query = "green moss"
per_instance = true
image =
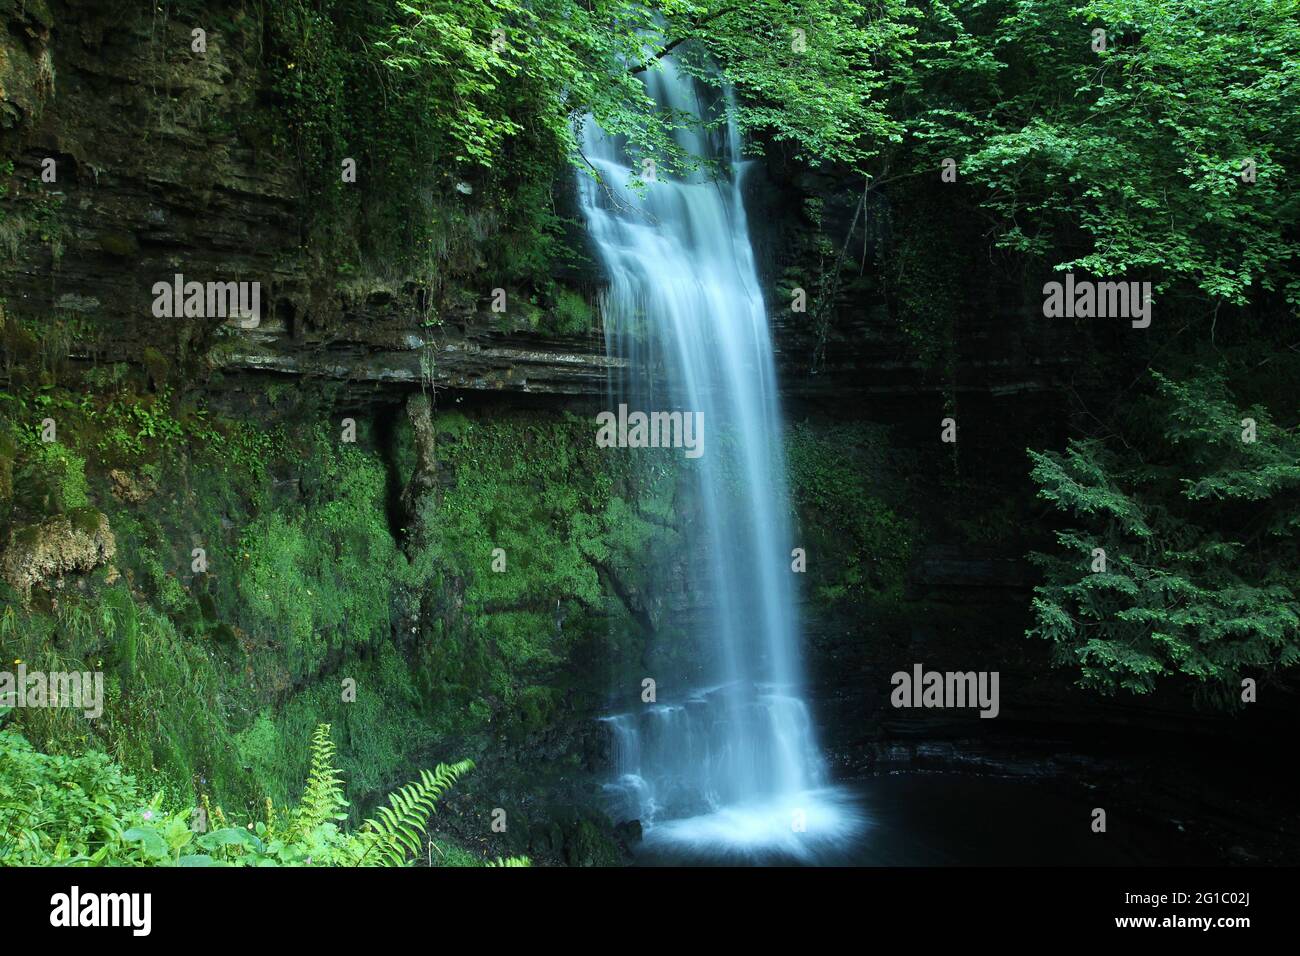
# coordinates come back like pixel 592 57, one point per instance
pixel 86 520
pixel 570 314
pixel 21 350
pixel 860 543
pixel 321 578
pixel 190 660
pixel 51 480
pixel 536 707
pixel 161 709
pixel 259 748
pixel 541 491
pixel 379 732
pixel 116 243
pixel 123 635
pixel 589 845
pixel 8 451
pixel 447 853
pixel 157 367
pixel 216 680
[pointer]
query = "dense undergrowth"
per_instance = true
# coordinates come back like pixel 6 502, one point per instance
pixel 304 607
pixel 231 600
pixel 84 811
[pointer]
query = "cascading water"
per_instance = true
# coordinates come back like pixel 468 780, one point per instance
pixel 733 765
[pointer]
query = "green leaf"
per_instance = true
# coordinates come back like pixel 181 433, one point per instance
pixel 151 841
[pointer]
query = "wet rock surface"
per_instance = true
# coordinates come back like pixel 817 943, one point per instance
pixel 42 553
pixel 192 185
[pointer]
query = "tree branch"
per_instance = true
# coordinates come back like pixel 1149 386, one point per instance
pixel 688 35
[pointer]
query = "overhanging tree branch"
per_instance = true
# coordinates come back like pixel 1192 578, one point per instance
pixel 688 35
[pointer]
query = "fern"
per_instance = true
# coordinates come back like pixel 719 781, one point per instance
pixel 397 834
pixel 57 810
pixel 322 798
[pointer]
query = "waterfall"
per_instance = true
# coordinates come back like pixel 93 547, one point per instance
pixel 734 762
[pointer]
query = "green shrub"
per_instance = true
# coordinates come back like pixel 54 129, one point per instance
pixel 570 315
pixel 57 809
pixel 83 810
pixel 1177 558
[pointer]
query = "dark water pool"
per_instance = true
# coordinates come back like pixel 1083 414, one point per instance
pixel 941 819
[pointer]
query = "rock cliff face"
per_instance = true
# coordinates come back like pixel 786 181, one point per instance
pixel 961 327
pixel 78 542
pixel 137 159
pixel 166 161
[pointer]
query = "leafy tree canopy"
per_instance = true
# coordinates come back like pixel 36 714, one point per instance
pixel 1147 138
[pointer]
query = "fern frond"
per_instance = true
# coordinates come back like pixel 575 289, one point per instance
pixel 397 832
pixel 322 798
pixel 511 861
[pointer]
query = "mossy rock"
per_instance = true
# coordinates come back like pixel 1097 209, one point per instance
pixel 8 450
pixel 22 350
pixel 51 481
pixel 131 487
pixel 589 845
pixel 86 520
pixel 37 554
pixel 117 243
pixel 545 839
pixel 157 366
pixel 536 707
